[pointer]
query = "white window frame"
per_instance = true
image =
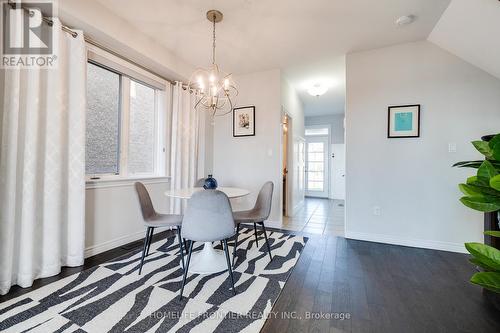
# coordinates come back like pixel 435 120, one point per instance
pixel 129 72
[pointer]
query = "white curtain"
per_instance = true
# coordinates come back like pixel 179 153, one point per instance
pixel 42 166
pixel 185 129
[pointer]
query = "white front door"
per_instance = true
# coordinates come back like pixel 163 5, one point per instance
pixel 338 171
pixel 317 166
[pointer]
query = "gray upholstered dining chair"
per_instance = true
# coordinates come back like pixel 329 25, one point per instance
pixel 200 182
pixel 153 220
pixel 208 218
pixel 257 215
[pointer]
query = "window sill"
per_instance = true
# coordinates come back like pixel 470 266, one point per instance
pixel 120 182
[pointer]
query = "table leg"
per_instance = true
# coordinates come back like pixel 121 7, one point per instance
pixel 208 260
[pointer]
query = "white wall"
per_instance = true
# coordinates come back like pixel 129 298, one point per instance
pixel 293 106
pixel 113 215
pixel 248 162
pixel 336 123
pixel 209 145
pixel 411 180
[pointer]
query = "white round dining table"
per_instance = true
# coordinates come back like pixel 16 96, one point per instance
pixel 208 260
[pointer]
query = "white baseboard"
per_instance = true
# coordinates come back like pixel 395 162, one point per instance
pixel 103 247
pixel 420 243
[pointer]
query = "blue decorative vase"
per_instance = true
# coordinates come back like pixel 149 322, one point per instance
pixel 210 183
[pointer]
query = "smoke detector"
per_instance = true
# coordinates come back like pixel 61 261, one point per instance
pixel 405 20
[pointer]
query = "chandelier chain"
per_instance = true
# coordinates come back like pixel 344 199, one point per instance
pixel 213 43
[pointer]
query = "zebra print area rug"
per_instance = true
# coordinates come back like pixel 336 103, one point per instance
pixel 113 298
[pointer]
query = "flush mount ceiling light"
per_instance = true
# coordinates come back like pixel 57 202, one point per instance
pixel 317 90
pixel 214 89
pixel 405 20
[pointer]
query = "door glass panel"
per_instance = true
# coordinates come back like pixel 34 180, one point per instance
pixel 315 166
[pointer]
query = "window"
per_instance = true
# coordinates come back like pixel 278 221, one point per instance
pixel 103 121
pixel 123 125
pixel 316 131
pixel 141 140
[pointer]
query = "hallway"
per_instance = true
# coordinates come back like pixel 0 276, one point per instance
pixel 317 216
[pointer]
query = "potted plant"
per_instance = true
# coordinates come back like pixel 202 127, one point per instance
pixel 482 193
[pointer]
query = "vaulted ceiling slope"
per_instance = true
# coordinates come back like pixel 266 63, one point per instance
pixel 470 29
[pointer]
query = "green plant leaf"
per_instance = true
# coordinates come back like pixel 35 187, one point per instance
pixel 496 152
pixel 483 148
pixel 477 164
pixel 473 180
pixel 492 233
pixel 468 164
pixel 495 182
pixel 469 190
pixel 485 254
pixel 488 280
pixel 478 191
pixel 476 181
pixel 482 204
pixel 486 171
pixel 494 145
pixel 477 262
pixel 494 141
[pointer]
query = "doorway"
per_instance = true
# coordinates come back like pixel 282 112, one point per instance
pixel 317 162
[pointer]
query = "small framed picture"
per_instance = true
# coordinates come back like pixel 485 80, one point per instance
pixel 404 121
pixel 244 121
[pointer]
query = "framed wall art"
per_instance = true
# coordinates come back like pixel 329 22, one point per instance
pixel 404 121
pixel 244 121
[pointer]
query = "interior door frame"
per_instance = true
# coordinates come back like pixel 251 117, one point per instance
pixel 289 162
pixel 327 160
pixel 333 192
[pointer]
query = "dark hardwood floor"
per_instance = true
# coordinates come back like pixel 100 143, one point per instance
pixel 354 286
pixel 382 288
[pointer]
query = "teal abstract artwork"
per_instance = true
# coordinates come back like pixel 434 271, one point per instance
pixel 403 121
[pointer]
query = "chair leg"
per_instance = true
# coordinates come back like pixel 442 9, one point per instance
pixel 187 268
pixel 221 245
pixel 150 241
pixel 229 265
pixel 236 242
pixel 255 231
pixel 186 247
pixel 267 241
pixel 144 249
pixel 181 249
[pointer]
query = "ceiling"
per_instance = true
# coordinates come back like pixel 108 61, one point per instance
pixel 329 72
pixel 470 36
pixel 306 39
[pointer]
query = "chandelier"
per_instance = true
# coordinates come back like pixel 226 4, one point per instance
pixel 214 89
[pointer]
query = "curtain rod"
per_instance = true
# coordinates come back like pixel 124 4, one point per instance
pixel 89 40
pixel 19 5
